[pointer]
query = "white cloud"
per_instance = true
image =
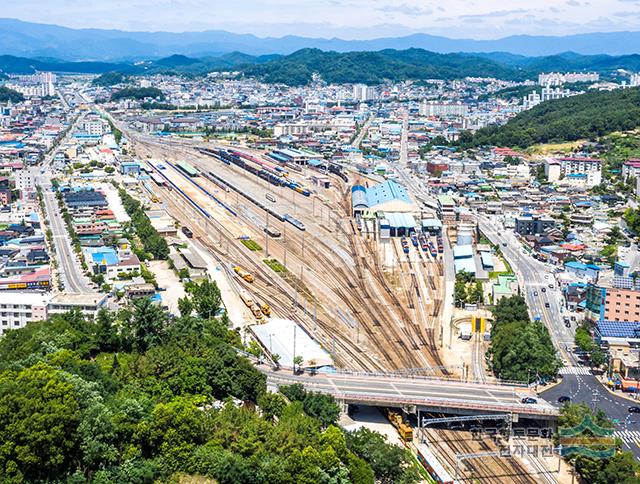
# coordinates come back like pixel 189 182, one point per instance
pixel 346 19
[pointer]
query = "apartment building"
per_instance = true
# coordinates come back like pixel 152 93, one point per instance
pixel 533 225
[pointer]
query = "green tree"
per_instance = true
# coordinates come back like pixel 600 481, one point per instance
pixel 271 404
pixel 390 463
pixel 185 306
pixel 107 335
pixel 145 325
pixel 206 298
pixel 39 417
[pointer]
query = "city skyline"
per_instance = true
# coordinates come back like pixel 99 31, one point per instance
pixel 355 19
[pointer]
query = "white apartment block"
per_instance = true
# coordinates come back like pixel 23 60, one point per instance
pixel 19 308
pixel 362 92
pixel 558 78
pixel 432 108
pixel 635 80
pixel 591 167
pixel 94 126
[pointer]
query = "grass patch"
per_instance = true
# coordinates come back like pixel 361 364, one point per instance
pixel 554 148
pixel 495 274
pixel 251 245
pixel 274 265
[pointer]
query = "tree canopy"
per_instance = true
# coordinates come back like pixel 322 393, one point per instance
pixel 585 116
pixel 135 396
pixel 520 349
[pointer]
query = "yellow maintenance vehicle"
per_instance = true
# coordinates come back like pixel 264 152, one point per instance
pixel 405 431
pixel 244 274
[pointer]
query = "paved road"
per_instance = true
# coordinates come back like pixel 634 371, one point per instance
pixel 585 388
pixel 421 391
pixel 71 275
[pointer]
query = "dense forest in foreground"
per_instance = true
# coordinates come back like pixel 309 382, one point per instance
pixel 139 397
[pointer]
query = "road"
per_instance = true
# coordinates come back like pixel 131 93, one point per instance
pixel 70 272
pixel 362 133
pixel 431 392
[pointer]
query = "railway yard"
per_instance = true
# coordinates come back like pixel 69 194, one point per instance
pixel 375 306
pixel 332 276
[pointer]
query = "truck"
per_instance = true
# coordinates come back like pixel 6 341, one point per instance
pixel 244 274
pixel 266 309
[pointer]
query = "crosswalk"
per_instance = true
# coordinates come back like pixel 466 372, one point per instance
pixel 628 436
pixel 574 370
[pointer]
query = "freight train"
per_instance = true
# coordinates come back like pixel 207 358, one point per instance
pixel 263 170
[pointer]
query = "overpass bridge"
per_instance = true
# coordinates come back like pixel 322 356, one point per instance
pixel 431 394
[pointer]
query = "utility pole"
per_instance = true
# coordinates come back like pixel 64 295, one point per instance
pixel 294 347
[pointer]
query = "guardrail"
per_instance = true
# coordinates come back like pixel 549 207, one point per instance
pixel 384 399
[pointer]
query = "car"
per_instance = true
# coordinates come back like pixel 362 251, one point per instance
pixel 535 293
pixel 544 289
pixel 634 409
pixel 550 286
pixel 547 305
pixel 529 400
pixel 567 324
pixel 564 399
pixel 504 244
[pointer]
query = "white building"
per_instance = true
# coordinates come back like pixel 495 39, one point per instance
pixel 557 78
pixel 591 167
pixel 432 108
pixel 18 308
pixel 635 80
pixel 362 92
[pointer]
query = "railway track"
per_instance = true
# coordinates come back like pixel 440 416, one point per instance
pixel 486 469
pixel 399 342
pixel 268 285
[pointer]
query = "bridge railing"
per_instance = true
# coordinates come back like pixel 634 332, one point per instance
pixel 386 399
pixel 412 376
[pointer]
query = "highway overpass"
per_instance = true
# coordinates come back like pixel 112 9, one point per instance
pixel 431 394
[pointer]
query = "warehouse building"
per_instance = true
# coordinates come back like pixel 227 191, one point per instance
pixel 383 197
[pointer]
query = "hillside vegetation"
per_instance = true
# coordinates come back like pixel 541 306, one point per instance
pixel 374 67
pixel 585 116
pixel 139 397
pixel 7 94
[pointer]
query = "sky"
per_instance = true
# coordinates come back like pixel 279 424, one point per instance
pixel 347 19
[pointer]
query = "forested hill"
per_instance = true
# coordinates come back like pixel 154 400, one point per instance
pixel 137 396
pixel 374 67
pixel 586 116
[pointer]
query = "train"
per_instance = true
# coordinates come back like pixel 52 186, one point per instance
pixel 423 243
pixel 436 470
pixel 440 245
pixel 432 249
pixel 405 245
pixel 264 170
pixel 172 185
pixel 244 274
pixel 405 431
pixel 184 173
pixel 294 221
pixel 255 308
pixel 414 240
pixel 271 232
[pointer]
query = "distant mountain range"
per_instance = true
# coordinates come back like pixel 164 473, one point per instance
pixel 343 67
pixel 34 40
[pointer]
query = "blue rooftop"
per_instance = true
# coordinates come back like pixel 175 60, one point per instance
pixel 385 192
pixel 105 257
pixel 619 329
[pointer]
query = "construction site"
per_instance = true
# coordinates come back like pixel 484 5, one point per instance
pixel 293 247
